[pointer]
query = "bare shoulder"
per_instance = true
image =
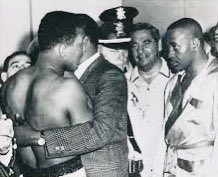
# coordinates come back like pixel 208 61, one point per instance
pixel 19 79
pixel 14 91
pixel 72 88
pixel 16 85
pixel 77 102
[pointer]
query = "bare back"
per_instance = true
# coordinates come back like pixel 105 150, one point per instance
pixel 46 100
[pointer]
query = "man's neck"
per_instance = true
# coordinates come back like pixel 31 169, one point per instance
pixel 48 62
pixel 197 65
pixel 148 74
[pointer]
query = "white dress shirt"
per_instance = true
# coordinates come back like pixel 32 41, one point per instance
pixel 83 66
pixel 146 112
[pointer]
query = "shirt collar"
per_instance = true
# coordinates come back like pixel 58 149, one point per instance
pixel 164 70
pixel 83 66
pixel 210 59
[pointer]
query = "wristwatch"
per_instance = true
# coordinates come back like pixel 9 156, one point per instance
pixel 41 141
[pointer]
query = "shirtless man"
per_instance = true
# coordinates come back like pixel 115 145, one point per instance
pixel 13 63
pixel 46 99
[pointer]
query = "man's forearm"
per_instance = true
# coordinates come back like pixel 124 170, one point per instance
pixel 109 124
pixel 26 136
pixel 67 141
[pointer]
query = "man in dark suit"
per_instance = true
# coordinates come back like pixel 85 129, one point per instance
pixel 101 142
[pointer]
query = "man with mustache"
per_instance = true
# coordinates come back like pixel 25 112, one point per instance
pixel 146 96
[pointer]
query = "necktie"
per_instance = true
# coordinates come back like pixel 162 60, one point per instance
pixel 176 101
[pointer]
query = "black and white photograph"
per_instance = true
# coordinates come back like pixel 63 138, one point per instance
pixel 108 88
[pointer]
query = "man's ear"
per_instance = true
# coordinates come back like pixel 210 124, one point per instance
pixel 85 43
pixel 4 76
pixel 62 50
pixel 195 43
pixel 99 48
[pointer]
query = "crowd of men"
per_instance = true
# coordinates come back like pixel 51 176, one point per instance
pixel 113 101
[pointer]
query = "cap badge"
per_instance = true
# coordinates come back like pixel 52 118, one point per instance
pixel 121 13
pixel 119 29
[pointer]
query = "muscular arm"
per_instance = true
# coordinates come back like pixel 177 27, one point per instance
pixel 108 126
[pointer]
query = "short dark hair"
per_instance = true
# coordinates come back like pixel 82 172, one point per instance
pixel 55 27
pixel 89 27
pixel 17 53
pixel 59 26
pixel 189 24
pixel 147 26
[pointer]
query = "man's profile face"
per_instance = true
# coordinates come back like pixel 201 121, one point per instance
pixel 178 47
pixel 74 52
pixel 17 63
pixel 117 57
pixel 144 48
